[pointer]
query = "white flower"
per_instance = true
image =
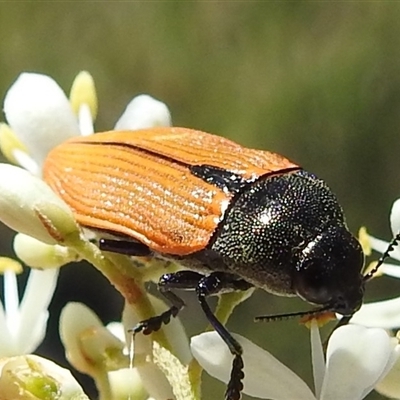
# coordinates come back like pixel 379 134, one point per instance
pixel 383 314
pixel 33 377
pixel 28 205
pixel 357 359
pixel 23 325
pixel 144 112
pixel 381 246
pixel 40 116
pixel 104 353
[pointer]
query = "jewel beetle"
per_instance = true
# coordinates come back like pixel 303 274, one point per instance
pixel 233 217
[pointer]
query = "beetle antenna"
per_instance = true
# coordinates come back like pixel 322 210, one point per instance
pixel 281 317
pixel 394 242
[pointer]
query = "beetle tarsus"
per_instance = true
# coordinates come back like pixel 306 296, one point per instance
pixel 235 385
pixel 217 283
pixel 153 324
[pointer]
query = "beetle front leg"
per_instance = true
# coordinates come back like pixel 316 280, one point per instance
pixel 186 280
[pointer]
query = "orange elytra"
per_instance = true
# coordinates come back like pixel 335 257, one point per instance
pixel 138 184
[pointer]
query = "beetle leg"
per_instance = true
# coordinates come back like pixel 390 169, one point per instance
pixel 179 280
pixel 205 286
pixel 218 283
pixel 126 247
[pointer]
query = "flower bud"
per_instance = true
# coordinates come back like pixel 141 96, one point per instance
pixel 29 206
pixel 37 254
pixel 88 344
pixel 144 112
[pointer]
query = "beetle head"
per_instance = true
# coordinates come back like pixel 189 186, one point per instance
pixel 328 271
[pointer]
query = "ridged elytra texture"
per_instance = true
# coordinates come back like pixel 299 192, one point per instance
pixel 139 183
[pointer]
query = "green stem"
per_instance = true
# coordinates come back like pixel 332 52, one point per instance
pixel 126 279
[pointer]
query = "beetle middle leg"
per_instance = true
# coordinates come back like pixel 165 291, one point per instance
pixel 205 286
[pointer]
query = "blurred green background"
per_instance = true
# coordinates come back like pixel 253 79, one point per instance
pixel 316 81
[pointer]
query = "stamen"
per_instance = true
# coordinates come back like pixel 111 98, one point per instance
pixel 85 120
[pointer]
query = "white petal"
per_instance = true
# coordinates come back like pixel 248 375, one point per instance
pixel 144 112
pixel 390 270
pixel 265 376
pixel 40 114
pixel 11 301
pixel 381 246
pixel 393 358
pixel 154 381
pixel 75 318
pixel 356 359
pixel 390 385
pixel 395 217
pixel 89 346
pixel 33 309
pixel 380 314
pixel 378 245
pixel 7 342
pixel 118 330
pixel 127 384
pixel 25 198
pixel 9 316
pixel 37 254
pixel 25 161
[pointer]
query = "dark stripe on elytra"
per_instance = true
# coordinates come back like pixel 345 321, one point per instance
pixel 223 179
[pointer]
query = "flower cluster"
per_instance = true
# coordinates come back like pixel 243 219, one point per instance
pixel 40 116
pixel 163 365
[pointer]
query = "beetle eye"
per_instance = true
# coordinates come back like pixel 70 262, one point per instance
pixel 311 283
